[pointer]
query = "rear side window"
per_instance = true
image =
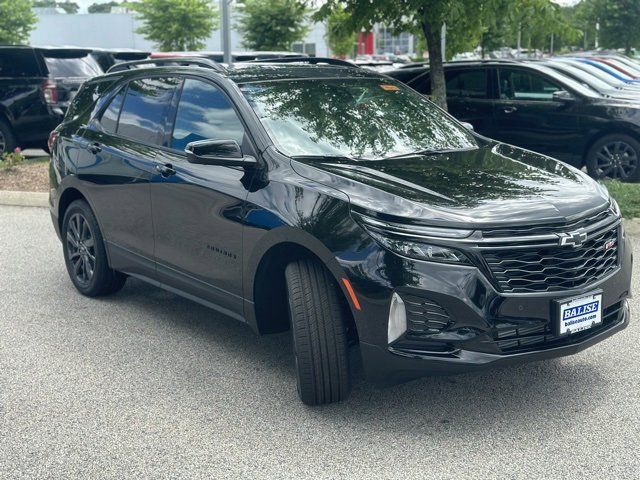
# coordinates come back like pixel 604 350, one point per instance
pixel 85 101
pixel 62 67
pixel 109 119
pixel 467 83
pixel 18 62
pixel 145 109
pixel 523 85
pixel 204 113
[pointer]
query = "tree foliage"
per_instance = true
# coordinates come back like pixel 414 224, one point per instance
pixel 340 36
pixel 103 7
pixel 175 25
pixel 618 22
pixel 68 6
pixel 16 21
pixel 272 24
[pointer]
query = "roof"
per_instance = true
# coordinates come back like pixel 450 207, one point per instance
pixel 263 72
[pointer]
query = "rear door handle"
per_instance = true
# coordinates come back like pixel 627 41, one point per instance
pixel 94 147
pixel 166 170
pixel 510 109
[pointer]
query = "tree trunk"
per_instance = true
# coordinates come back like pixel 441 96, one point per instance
pixel 438 86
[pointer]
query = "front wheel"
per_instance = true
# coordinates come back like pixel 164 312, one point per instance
pixel 85 255
pixel 616 157
pixel 319 331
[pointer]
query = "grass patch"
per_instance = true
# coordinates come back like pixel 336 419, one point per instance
pixel 28 161
pixel 627 195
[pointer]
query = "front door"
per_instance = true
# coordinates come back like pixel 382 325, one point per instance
pixel 197 209
pixel 526 115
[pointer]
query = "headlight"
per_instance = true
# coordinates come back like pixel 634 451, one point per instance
pixel 615 207
pixel 419 250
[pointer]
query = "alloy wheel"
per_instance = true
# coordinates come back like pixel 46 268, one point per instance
pixel 81 250
pixel 617 160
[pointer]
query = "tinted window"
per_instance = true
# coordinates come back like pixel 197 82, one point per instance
pixel 145 109
pixel 362 118
pixel 466 83
pixel 109 120
pixel 18 62
pixel 204 113
pixel 85 103
pixel 524 85
pixel 86 66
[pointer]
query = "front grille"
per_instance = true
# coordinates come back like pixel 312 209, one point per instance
pixel 424 316
pixel 519 337
pixel 549 228
pixel 553 268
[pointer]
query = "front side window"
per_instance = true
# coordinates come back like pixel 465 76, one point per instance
pixel 363 118
pixel 466 83
pixel 523 85
pixel 204 113
pixel 145 109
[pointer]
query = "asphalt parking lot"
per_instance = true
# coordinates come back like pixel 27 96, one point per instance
pixel 147 384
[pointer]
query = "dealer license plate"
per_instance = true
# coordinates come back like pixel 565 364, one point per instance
pixel 580 313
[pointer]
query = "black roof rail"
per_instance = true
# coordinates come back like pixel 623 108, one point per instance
pixel 180 61
pixel 310 60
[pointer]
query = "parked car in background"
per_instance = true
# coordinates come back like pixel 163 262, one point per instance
pixel 538 108
pixel 338 204
pixel 236 56
pixel 36 86
pixel 107 58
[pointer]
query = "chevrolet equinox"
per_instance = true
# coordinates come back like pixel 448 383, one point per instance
pixel 339 204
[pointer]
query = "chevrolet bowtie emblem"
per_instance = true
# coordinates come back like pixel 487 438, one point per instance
pixel 572 239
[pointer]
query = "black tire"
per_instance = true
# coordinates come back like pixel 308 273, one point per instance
pixel 615 156
pixel 319 333
pixel 7 140
pixel 85 255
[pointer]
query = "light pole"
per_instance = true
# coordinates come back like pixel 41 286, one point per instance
pixel 226 31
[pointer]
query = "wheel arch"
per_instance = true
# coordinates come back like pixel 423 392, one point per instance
pixel 265 288
pixel 620 129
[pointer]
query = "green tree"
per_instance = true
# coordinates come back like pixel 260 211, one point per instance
pixel 618 22
pixel 340 37
pixel 16 21
pixel 175 25
pixel 67 6
pixel 463 18
pixel 272 24
pixel 103 7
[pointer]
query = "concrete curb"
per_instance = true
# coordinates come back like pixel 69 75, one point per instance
pixel 24 199
pixel 632 227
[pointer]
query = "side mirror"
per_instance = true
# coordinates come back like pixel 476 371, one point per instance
pixel 468 126
pixel 562 96
pixel 218 152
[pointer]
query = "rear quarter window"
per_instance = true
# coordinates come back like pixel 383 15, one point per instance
pixel 18 62
pixel 86 101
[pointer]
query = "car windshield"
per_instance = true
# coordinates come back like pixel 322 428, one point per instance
pixel 66 67
pixel 364 118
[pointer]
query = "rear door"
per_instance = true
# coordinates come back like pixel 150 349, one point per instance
pixel 469 97
pixel 117 165
pixel 526 115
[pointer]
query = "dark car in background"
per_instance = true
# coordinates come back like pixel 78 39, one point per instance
pixel 36 86
pixel 536 107
pixel 108 57
pixel 339 204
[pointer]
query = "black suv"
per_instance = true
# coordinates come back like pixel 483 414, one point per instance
pixel 36 86
pixel 541 109
pixel 343 205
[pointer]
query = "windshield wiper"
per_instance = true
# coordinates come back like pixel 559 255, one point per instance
pixel 326 157
pixel 418 153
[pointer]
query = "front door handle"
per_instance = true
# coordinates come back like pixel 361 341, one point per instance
pixel 510 109
pixel 94 147
pixel 166 170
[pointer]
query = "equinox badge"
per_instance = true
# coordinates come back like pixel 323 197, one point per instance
pixel 573 239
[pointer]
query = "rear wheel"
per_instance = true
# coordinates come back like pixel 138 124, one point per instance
pixel 7 140
pixel 615 156
pixel 319 330
pixel 85 255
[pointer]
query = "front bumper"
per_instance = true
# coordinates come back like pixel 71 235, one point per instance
pixel 485 327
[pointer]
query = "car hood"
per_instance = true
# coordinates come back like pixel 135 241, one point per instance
pixel 496 184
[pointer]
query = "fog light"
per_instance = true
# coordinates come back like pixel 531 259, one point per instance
pixel 397 319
